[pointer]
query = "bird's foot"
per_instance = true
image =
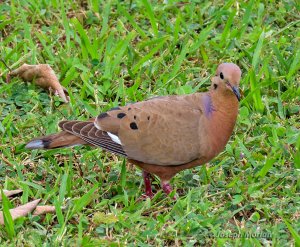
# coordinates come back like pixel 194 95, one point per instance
pixel 167 188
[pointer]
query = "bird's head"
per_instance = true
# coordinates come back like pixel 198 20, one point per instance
pixel 227 79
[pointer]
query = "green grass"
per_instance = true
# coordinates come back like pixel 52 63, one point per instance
pixel 112 53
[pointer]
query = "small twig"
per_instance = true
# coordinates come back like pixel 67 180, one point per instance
pixel 6 161
pixel 2 60
pixel 236 223
pixel 159 210
pixel 216 194
pixel 16 63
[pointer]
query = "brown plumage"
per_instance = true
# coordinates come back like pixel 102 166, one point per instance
pixel 163 135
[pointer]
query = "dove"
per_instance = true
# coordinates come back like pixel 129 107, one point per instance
pixel 162 135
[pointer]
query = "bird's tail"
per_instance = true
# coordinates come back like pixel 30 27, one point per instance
pixel 58 140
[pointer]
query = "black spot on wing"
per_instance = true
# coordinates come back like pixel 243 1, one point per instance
pixel 133 126
pixel 102 115
pixel 121 115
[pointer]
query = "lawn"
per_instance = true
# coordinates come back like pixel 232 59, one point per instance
pixel 109 53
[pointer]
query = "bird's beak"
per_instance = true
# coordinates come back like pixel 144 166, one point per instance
pixel 236 91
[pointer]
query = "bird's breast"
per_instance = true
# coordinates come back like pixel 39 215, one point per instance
pixel 216 132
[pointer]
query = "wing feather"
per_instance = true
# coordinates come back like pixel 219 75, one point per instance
pixel 89 133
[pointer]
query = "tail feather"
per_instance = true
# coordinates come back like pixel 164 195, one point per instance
pixel 58 140
pixel 79 133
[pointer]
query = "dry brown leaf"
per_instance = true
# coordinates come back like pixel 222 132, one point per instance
pixel 44 210
pixel 20 211
pixel 43 75
pixel 11 193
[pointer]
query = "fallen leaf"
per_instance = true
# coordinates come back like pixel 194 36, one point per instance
pixel 43 75
pixel 20 211
pixel 45 209
pixel 11 193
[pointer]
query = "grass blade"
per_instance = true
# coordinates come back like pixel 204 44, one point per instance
pixel 147 57
pixel 293 232
pixel 257 51
pixel 63 187
pixel 268 165
pixel 150 13
pixel 295 65
pixel 8 221
pixel 226 31
pixel 246 18
pixel 131 21
pixel 105 16
pixel 58 210
pixel 80 203
pixel 201 38
pixel 86 46
pixel 123 174
pixel 118 52
pixel 255 88
pixel 179 61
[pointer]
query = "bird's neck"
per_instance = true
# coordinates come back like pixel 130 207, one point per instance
pixel 222 102
pixel 220 112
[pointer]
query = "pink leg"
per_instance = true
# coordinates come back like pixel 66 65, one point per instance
pixel 167 188
pixel 147 182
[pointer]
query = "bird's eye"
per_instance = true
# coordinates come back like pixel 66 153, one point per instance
pixel 221 76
